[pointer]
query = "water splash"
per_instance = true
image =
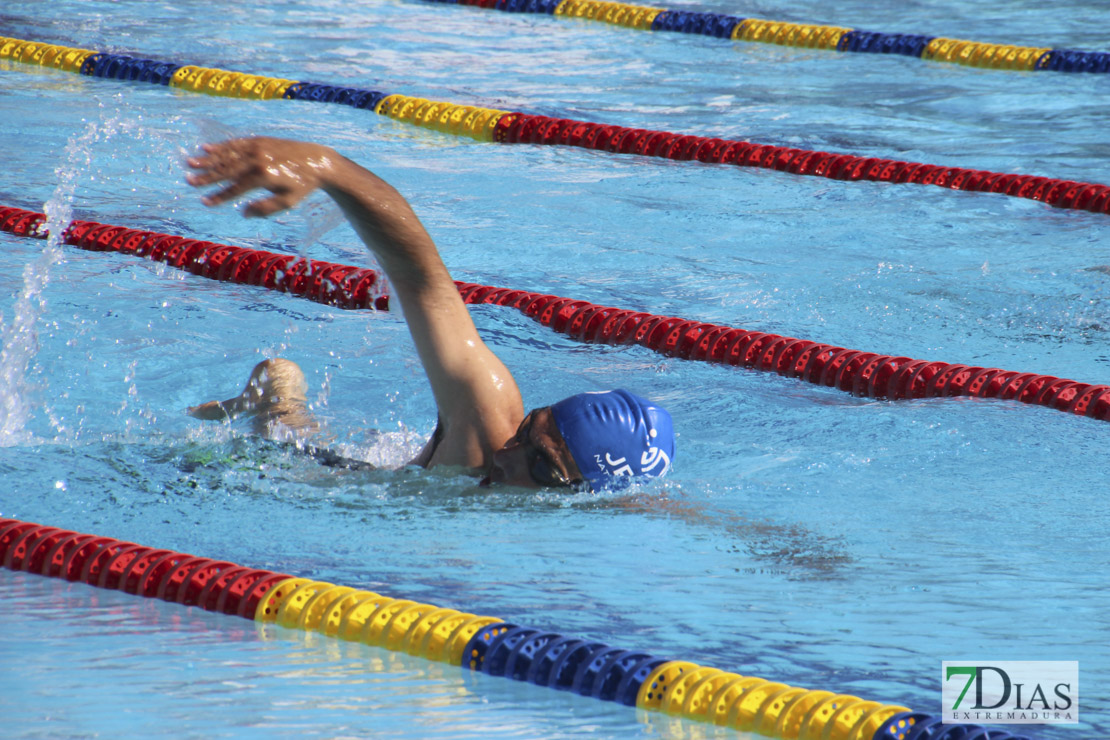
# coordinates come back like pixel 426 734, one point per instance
pixel 19 335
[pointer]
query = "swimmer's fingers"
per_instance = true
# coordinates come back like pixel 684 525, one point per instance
pixel 219 162
pixel 268 206
pixel 231 192
pixel 211 411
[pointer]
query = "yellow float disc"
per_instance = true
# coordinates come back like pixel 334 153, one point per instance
pixel 658 681
pixel 49 54
pixel 820 714
pixel 675 696
pixel 790 720
pixel 268 605
pixel 337 609
pixel 720 702
pixel 846 718
pixel 372 630
pixel 26 52
pixel 744 708
pixel 354 619
pixel 453 649
pixel 699 696
pixel 435 639
pixel 72 60
pixel 414 636
pixel 775 707
pixel 397 627
pixel 870 723
pixel 316 607
pixel 275 88
pixel 289 611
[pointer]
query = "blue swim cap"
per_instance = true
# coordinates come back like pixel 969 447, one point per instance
pixel 615 433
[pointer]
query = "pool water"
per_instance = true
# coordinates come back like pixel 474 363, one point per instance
pixel 804 536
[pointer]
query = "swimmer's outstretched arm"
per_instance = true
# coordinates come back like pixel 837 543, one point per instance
pixel 478 401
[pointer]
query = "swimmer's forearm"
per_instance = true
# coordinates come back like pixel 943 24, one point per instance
pixel 386 223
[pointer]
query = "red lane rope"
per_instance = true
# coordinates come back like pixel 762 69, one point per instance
pixel 868 374
pixel 521 128
pixel 142 571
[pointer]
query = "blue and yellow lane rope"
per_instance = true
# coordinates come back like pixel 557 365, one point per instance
pixel 811 36
pixel 480 643
pixel 493 125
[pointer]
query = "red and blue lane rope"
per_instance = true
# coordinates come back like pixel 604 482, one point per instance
pixel 480 643
pixel 866 374
pixel 491 125
pixel 832 38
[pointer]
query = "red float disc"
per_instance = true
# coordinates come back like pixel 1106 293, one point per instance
pixel 160 246
pixel 231 597
pixel 547 314
pixel 806 357
pixel 11 533
pixel 78 557
pixel 1051 391
pixel 833 365
pixel 52 563
pixel 1031 389
pixel 133 573
pixel 682 340
pixel 170 583
pixel 787 354
pixel 151 582
pixel 111 574
pixel 236 268
pixel 738 345
pixel 879 381
pixel 210 595
pixel 189 591
pixel 566 312
pixel 248 603
pixel 1010 389
pixel 862 381
pixel 294 276
pixel 980 380
pixel 586 319
pixel 919 381
pixel 899 384
pixel 359 285
pixel 19 547
pixel 94 565
pixel 706 341
pixel 848 374
pixel 956 383
pixel 935 386
pixel 38 550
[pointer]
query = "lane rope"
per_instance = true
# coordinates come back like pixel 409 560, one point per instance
pixel 506 127
pixel 480 643
pixel 810 36
pixel 866 374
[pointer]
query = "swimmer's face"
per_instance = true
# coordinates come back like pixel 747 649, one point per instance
pixel 536 456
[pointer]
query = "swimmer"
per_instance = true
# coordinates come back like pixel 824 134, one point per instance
pixel 591 439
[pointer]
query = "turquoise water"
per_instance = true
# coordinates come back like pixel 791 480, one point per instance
pixel 805 536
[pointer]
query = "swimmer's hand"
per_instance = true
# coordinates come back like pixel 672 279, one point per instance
pixel 211 411
pixel 290 170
